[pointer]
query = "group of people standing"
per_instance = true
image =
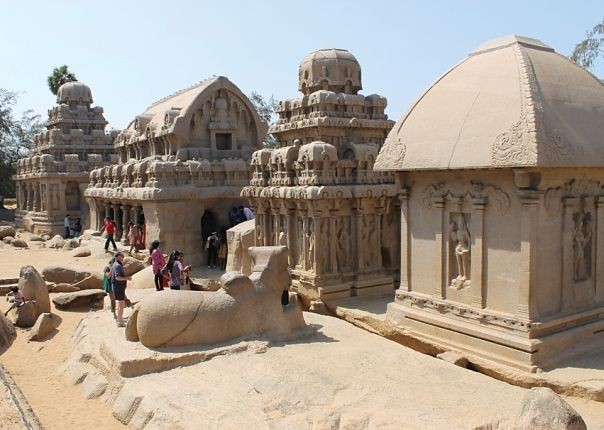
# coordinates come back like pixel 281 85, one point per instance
pixel 74 230
pixel 136 234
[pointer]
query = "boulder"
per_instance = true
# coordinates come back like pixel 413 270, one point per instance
pixel 33 287
pixel 85 298
pixel 7 230
pixel 67 274
pixel 45 324
pixel 205 285
pixel 454 357
pixel 92 282
pixel 70 244
pixel 46 237
pixel 143 279
pixel 131 333
pixel 8 239
pixel 80 252
pixel 19 243
pixel 239 239
pixel 541 409
pixel 63 288
pixel 24 316
pixel 7 333
pixel 133 265
pixel 56 242
pixel 36 238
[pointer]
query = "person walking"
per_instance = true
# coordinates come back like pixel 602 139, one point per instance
pixel 77 228
pixel 67 225
pixel 119 281
pixel 157 263
pixel 109 227
pixel 133 234
pixel 107 285
pixel 212 246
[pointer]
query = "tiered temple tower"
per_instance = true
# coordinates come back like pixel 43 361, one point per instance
pixel 50 182
pixel 317 193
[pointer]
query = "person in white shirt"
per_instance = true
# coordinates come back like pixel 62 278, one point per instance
pixel 67 225
pixel 247 212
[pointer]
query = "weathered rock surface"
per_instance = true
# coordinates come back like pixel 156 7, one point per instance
pixel 63 288
pixel 79 299
pixel 68 274
pixel 8 239
pixel 454 357
pixel 318 307
pixel 143 279
pixel 244 306
pixel 80 252
pixel 24 316
pixel 239 239
pixel 541 409
pixel 133 265
pixel 7 230
pixel 46 237
pixel 70 244
pixel 19 243
pixel 33 287
pixel 45 324
pixel 7 333
pixel 36 238
pixel 205 285
pixel 56 242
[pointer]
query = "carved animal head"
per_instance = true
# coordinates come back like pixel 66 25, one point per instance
pixel 270 267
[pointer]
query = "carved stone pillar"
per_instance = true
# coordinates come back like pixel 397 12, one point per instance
pixel 274 237
pixel 527 279
pixel 360 257
pixel 477 250
pixel 332 243
pixel 36 205
pixel 441 240
pixel 126 227
pixel 291 231
pixel 30 198
pixel 569 207
pixel 118 222
pixel 107 210
pixel 599 260
pixel 377 244
pixel 305 241
pixel 405 284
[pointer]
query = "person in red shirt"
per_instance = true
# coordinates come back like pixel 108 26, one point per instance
pixel 109 228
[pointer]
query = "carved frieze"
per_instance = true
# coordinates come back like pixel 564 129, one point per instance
pixel 496 197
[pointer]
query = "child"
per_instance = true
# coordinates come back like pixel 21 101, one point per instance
pixel 16 300
pixel 107 285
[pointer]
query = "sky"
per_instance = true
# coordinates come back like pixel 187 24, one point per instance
pixel 132 53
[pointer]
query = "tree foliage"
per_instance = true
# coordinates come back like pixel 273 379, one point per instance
pixel 266 111
pixel 587 51
pixel 16 138
pixel 58 77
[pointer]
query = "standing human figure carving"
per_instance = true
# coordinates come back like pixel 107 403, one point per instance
pixel 581 239
pixel 459 237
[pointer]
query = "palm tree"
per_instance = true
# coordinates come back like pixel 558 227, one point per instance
pixel 60 76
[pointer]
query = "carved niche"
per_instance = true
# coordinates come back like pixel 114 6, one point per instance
pixel 460 254
pixel 582 245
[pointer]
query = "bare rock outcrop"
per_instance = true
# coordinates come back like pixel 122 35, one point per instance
pixel 541 409
pixel 78 299
pixel 25 315
pixel 133 265
pixel 67 274
pixel 245 306
pixel 45 325
pixel 33 287
pixel 7 333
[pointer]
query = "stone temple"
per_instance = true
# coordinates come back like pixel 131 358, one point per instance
pixel 52 179
pixel 317 192
pixel 500 168
pixel 182 165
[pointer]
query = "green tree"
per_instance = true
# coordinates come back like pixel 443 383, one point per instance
pixel 587 51
pixel 58 77
pixel 266 111
pixel 16 138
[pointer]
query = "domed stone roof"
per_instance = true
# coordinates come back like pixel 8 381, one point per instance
pixel 513 102
pixel 74 92
pixel 330 69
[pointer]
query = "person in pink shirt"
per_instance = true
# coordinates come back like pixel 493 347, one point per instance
pixel 15 297
pixel 157 263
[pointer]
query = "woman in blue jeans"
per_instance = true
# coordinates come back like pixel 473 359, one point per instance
pixel 178 271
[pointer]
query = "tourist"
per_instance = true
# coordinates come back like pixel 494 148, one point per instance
pixel 15 297
pixel 142 236
pixel 118 284
pixel 157 263
pixel 223 250
pixel 178 271
pixel 212 246
pixel 107 285
pixel 233 216
pixel 67 225
pixel 109 227
pixel 240 215
pixel 133 236
pixel 77 228
pixel 248 213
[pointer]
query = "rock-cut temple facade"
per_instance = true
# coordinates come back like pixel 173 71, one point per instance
pixel 500 167
pixel 317 193
pixel 182 165
pixel 51 181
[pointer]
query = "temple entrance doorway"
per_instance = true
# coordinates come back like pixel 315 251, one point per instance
pixel 209 224
pixel 72 196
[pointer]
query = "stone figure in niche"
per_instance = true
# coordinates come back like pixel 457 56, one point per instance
pixel 372 245
pixel 582 246
pixel 310 238
pixel 343 245
pixel 300 242
pixel 324 235
pixel 459 243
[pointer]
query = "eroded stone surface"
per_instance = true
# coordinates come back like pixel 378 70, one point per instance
pixel 7 333
pixel 92 298
pixel 45 325
pixel 33 287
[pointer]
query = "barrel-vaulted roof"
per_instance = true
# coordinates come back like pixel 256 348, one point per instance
pixel 513 102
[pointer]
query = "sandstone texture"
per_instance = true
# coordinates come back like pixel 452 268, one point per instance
pixel 7 333
pixel 24 316
pixel 80 252
pixel 133 265
pixel 7 230
pixel 71 274
pixel 45 325
pixel 33 287
pixel 78 299
pixel 240 238
pixel 63 288
pixel 56 242
pixel 8 239
pixel 18 243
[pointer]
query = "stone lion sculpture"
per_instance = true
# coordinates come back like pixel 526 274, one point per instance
pixel 244 306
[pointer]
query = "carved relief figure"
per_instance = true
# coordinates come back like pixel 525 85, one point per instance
pixel 459 243
pixel 372 242
pixel 343 244
pixel 582 247
pixel 310 238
